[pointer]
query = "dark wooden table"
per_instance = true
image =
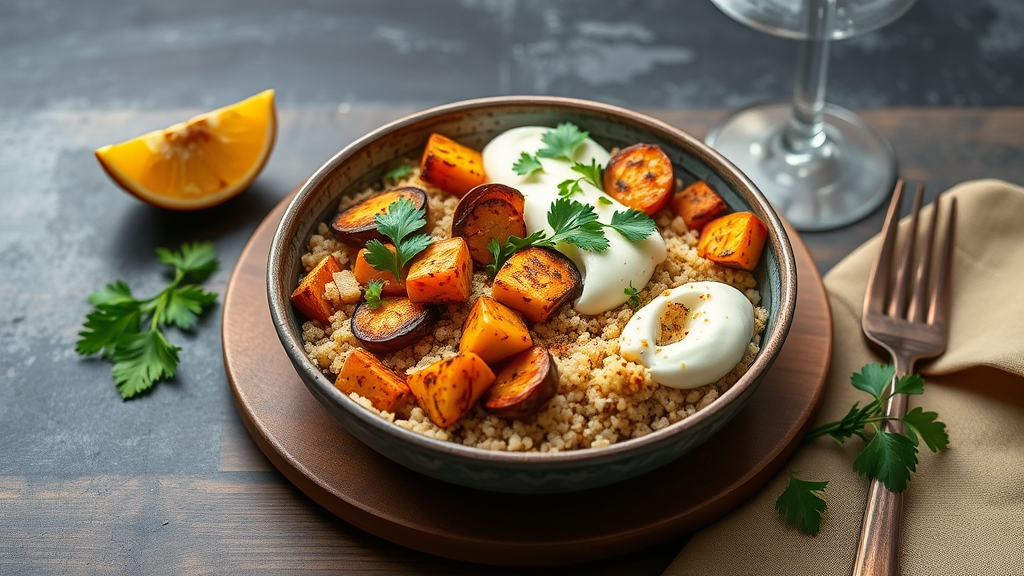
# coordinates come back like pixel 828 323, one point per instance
pixel 171 482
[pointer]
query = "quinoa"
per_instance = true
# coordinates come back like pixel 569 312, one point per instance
pixel 601 399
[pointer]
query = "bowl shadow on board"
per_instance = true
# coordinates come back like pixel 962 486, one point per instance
pixel 473 123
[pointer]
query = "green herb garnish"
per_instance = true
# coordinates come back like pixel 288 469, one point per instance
pixel 562 142
pixel 574 223
pixel 401 219
pixel 592 173
pixel 372 295
pixel 604 200
pixel 113 329
pixel 890 457
pixel 634 297
pixel 398 172
pixel 527 165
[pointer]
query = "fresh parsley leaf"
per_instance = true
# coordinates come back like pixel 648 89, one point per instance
pixel 527 165
pixel 401 219
pixel 562 142
pixel 923 423
pixel 910 384
pixel 801 503
pixel 633 224
pixel 197 259
pixel 604 200
pixel 575 223
pixel 634 297
pixel 569 188
pixel 873 378
pixel 889 457
pixel 593 173
pixel 373 289
pixel 113 328
pixel 141 360
pixel 398 172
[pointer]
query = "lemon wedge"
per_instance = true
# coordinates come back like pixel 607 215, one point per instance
pixel 198 163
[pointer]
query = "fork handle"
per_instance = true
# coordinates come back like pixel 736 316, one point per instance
pixel 878 553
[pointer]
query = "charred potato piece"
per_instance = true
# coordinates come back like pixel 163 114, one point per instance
pixel 734 240
pixel 450 166
pixel 448 389
pixel 364 273
pixel 358 225
pixel 308 296
pixel 441 273
pixel 489 212
pixel 528 381
pixel 364 374
pixel 494 331
pixel 536 281
pixel 397 323
pixel 641 177
pixel 697 204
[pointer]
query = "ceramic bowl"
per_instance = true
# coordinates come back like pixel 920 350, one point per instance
pixel 473 123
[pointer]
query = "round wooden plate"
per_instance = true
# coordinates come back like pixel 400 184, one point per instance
pixel 390 501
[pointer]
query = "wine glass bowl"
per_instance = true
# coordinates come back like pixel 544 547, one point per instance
pixel 820 165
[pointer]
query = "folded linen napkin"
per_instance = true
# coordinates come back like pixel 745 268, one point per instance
pixel 964 508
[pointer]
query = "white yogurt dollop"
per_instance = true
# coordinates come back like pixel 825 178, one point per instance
pixel 605 274
pixel 719 324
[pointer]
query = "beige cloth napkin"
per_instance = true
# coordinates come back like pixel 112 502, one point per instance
pixel 964 508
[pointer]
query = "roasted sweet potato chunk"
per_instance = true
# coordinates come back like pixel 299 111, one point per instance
pixel 489 212
pixel 441 273
pixel 697 204
pixel 448 389
pixel 641 177
pixel 494 331
pixel 536 281
pixel 397 323
pixel 364 273
pixel 367 376
pixel 308 296
pixel 734 240
pixel 450 166
pixel 523 386
pixel 358 225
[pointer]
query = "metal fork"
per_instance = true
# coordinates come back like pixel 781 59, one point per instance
pixel 909 331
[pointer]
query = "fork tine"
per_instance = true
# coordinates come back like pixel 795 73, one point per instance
pixel 918 307
pixel 879 277
pixel 901 286
pixel 938 310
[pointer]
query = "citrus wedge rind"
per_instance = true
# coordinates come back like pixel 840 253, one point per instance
pixel 198 163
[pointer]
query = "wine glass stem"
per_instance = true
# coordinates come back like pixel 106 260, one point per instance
pixel 805 132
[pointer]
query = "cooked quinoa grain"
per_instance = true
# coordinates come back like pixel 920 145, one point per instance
pixel 602 398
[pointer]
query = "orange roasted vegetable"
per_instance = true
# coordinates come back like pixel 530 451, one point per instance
pixel 734 240
pixel 521 388
pixel 489 212
pixel 447 389
pixel 308 296
pixel 450 166
pixel 367 376
pixel 395 324
pixel 536 281
pixel 358 225
pixel 697 204
pixel 641 177
pixel 494 331
pixel 441 273
pixel 364 273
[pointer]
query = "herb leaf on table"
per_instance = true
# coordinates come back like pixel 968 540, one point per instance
pixel 888 456
pixel 114 327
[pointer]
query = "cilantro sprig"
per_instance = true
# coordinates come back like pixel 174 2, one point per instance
pixel 127 331
pixel 373 293
pixel 593 174
pixel 633 294
pixel 889 456
pixel 574 223
pixel 561 142
pixel 401 219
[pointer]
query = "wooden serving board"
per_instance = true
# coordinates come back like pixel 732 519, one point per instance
pixel 366 489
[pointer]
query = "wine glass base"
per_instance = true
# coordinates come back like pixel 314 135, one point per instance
pixel 846 179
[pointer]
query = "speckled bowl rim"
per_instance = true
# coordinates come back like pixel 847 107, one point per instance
pixel 282 312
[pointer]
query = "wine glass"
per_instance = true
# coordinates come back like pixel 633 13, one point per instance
pixel 820 165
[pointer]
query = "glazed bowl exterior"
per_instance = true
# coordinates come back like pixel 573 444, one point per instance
pixel 474 123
